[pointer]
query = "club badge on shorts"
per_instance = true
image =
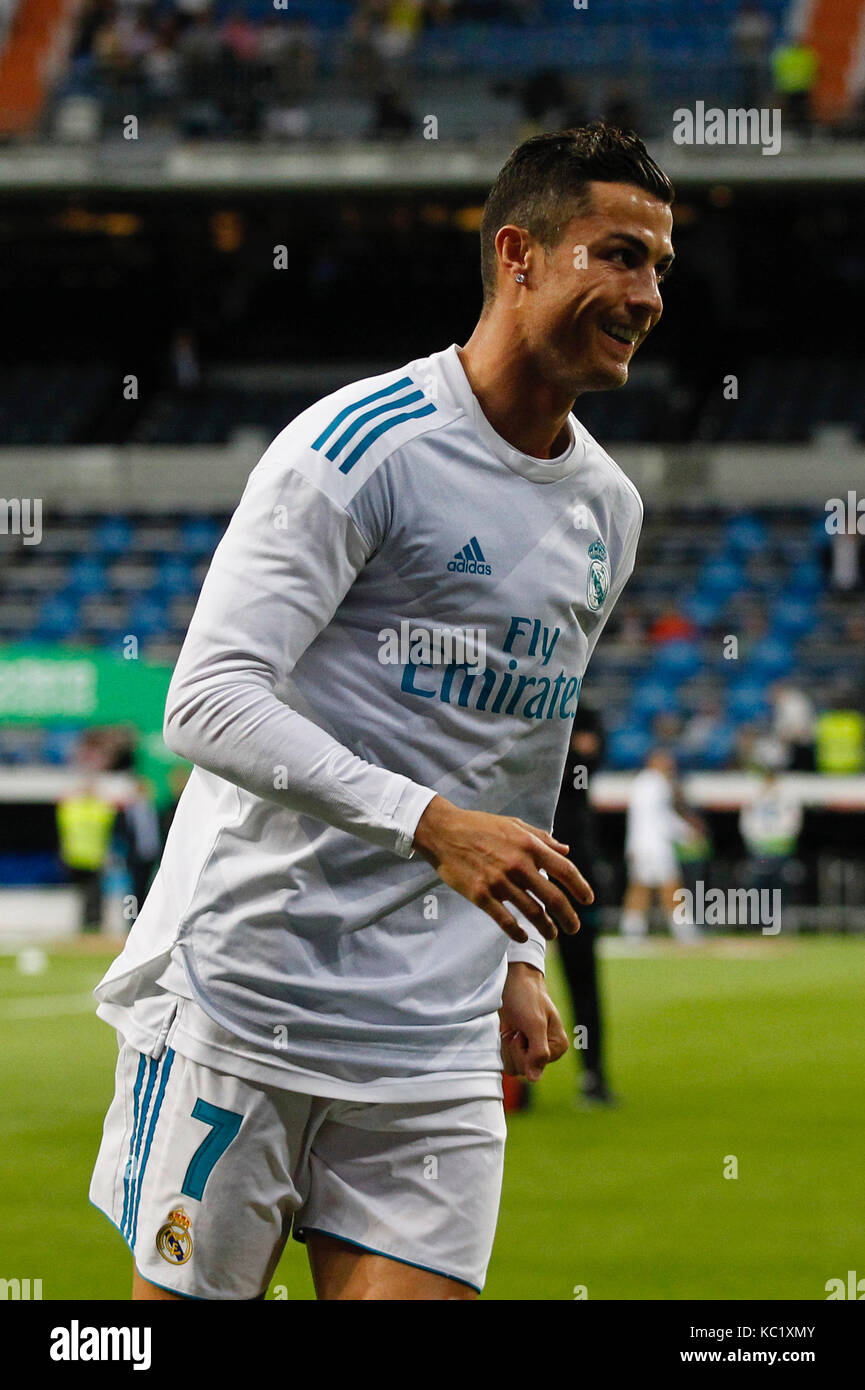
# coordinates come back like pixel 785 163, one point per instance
pixel 598 583
pixel 173 1240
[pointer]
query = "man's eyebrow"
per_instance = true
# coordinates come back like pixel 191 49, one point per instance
pixel 639 245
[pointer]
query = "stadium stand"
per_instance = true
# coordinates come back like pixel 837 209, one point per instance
pixel 758 574
pixel 781 402
pixel 336 70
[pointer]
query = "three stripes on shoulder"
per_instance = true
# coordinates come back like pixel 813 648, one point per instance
pixel 389 412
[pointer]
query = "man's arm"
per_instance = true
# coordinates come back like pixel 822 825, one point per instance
pixel 285 563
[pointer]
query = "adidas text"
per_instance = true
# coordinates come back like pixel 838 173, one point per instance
pixel 468 567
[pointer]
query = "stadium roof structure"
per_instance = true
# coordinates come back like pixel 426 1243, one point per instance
pixel 198 167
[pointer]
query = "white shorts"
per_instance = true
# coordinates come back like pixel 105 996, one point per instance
pixel 205 1174
pixel 653 864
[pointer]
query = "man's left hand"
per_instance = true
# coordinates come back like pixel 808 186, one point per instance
pixel 531 1030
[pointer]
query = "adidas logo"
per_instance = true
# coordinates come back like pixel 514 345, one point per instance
pixel 470 560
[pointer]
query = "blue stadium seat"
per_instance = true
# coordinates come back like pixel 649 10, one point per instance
pixel 805 578
pixel 745 533
pixel 86 576
pixel 201 536
pixel 747 701
pixel 773 658
pixel 146 617
pixel 655 697
pixel 58 618
pixel 719 747
pixel 702 608
pixel 59 745
pixel 176 577
pixel 678 657
pixel 720 577
pixel 792 616
pixel 113 536
pixel 628 748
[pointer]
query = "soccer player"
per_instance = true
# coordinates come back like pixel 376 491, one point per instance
pixel 654 824
pixel 344 943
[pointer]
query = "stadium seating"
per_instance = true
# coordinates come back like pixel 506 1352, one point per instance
pixel 652 45
pixel 754 574
pixel 48 404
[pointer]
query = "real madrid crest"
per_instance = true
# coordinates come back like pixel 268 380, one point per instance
pixel 598 582
pixel 174 1240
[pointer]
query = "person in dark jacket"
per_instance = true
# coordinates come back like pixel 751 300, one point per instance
pixel 139 833
pixel 575 825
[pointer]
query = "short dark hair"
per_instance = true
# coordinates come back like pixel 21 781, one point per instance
pixel 544 183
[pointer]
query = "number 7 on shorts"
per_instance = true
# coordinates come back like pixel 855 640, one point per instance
pixel 224 1126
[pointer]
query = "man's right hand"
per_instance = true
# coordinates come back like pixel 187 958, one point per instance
pixel 494 860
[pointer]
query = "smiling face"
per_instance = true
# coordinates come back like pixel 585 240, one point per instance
pixel 589 303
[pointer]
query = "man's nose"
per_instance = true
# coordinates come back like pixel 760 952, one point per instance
pixel 646 294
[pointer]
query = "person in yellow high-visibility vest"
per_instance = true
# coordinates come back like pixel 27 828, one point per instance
pixel 85 821
pixel 840 742
pixel 795 69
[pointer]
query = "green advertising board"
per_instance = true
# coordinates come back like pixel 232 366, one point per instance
pixel 50 684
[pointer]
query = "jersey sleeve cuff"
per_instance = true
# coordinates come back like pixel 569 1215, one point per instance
pixel 409 810
pixel 531 952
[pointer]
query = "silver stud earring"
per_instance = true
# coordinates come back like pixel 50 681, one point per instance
pixel 521 279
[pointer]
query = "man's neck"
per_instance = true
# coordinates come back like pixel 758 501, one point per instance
pixel 522 408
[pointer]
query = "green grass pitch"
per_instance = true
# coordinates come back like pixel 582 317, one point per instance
pixel 749 1049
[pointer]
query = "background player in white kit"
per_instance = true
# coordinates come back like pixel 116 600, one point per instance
pixel 654 825
pixel 300 1035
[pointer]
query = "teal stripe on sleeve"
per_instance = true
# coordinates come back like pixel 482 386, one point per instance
pixel 351 430
pixel 369 439
pixel 356 405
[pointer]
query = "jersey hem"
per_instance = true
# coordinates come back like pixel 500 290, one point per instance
pixel 300 1236
pixel 478 1085
pixel 432 1085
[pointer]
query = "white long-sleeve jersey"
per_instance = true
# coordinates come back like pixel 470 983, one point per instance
pixel 289 935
